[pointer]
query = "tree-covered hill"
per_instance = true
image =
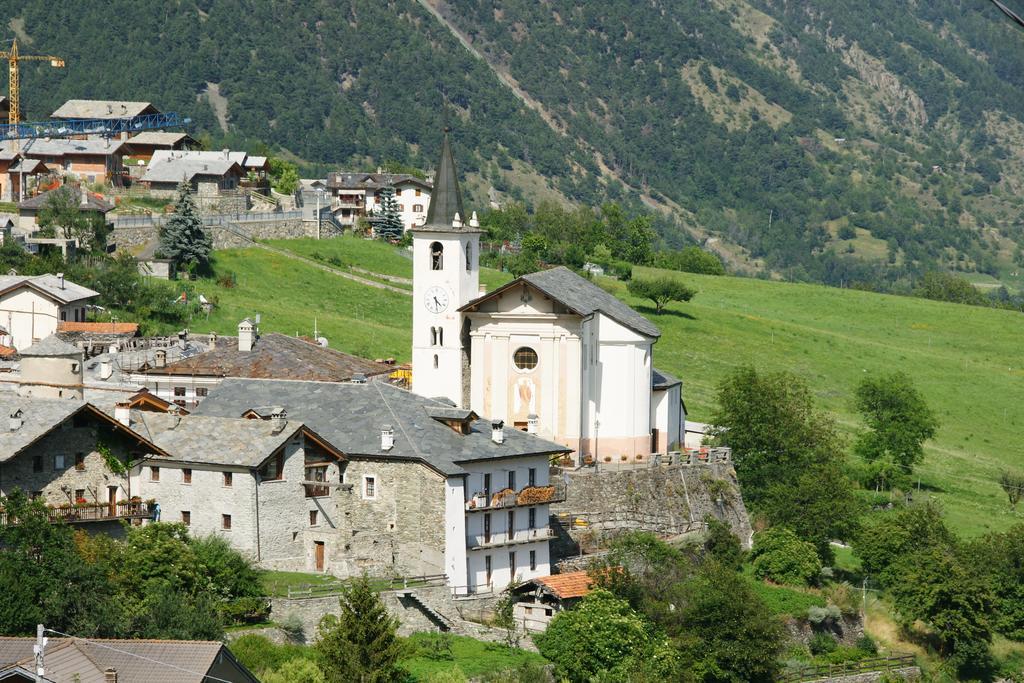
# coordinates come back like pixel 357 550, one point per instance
pixel 824 140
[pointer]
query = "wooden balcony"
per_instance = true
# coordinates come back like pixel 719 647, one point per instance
pixel 507 498
pixel 92 512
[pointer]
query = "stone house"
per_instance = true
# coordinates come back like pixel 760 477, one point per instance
pixel 62 450
pixel 422 488
pixel 89 203
pixel 208 176
pixel 539 600
pixel 31 306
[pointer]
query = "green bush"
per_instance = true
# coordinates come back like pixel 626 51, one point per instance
pixel 822 644
pixel 249 610
pixel 781 557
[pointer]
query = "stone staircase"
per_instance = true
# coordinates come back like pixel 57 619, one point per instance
pixel 442 622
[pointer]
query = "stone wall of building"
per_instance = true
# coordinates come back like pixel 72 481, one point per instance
pixel 668 500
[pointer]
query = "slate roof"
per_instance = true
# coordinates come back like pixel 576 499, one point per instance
pixel 40 416
pixel 213 440
pixel 372 181
pixel 58 147
pixel 569 585
pixel 48 285
pixel 51 346
pixel 350 417
pixel 176 169
pixel 157 137
pixel 103 109
pixel 274 356
pixel 446 197
pixel 663 380
pixel 28 166
pixel 92 202
pixel 578 294
pixel 147 661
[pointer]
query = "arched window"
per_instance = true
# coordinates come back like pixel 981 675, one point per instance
pixel 525 358
pixel 435 361
pixel 436 256
pixel 469 257
pixel 440 336
pixel 433 336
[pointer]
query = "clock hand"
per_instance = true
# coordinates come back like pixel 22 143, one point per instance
pixel 436 302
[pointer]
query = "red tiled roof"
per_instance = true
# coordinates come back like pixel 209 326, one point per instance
pixel 7 351
pixel 571 585
pixel 98 328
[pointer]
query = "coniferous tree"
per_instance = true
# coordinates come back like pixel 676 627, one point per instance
pixel 182 238
pixel 388 221
pixel 361 644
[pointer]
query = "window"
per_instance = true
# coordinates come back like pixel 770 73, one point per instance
pixel 511 525
pixel 201 392
pixel 63 316
pixel 316 473
pixel 79 495
pixel 398 192
pixel 469 257
pixel 435 361
pixel 436 256
pixel 401 208
pixel 369 486
pixel 225 522
pixel 74 367
pixel 512 480
pixel 487 485
pixel 227 479
pixel 154 474
pixel 512 564
pixel 58 462
pixel 525 358
pixel 418 193
pixel 533 560
pixel 179 391
pixel 533 518
pixel 417 208
pixel 37 463
pixel 487 528
pixel 186 476
pixel 274 468
pixel 437 336
pixel 487 570
pixel 533 476
pixel 313 518
pixel 80 462
pixel 186 517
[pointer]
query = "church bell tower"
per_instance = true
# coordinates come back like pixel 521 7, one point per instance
pixel 446 276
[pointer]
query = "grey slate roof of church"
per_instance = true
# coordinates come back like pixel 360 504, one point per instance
pixel 350 417
pixel 579 295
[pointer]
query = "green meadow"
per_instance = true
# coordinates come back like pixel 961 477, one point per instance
pixel 969 362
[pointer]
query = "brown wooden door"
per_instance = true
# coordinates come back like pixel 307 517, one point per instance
pixel 319 549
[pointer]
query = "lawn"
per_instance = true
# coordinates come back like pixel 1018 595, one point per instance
pixel 469 656
pixel 968 361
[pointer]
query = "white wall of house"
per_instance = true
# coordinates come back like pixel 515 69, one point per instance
pixel 413 203
pixel 668 417
pixel 185 390
pixel 30 316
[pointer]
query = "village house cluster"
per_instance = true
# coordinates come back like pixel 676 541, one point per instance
pixel 307 458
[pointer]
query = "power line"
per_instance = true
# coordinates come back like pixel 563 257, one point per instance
pixel 205 676
pixel 1008 12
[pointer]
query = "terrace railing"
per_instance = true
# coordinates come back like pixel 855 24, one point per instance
pixel 91 512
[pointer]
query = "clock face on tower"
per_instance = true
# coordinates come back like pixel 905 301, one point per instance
pixel 436 300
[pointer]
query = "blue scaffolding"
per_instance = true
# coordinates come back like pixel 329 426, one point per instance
pixel 66 128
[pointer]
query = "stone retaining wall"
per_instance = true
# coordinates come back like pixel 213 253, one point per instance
pixel 231 236
pixel 909 673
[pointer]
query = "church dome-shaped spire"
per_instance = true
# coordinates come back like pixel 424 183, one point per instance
pixel 446 196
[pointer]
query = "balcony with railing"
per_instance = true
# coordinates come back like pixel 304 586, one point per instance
pixel 508 498
pixel 92 512
pixel 517 536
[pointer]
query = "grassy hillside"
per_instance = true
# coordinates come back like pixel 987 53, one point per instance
pixel 967 360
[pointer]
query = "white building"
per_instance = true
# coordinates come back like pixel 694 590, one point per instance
pixel 550 353
pixel 31 306
pixel 359 194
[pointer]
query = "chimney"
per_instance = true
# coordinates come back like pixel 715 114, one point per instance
pixel 106 368
pixel 160 358
pixel 17 419
pixel 123 414
pixel 474 222
pixel 60 276
pixel 532 423
pixel 279 418
pixel 213 340
pixel 358 378
pixel 456 220
pixel 110 676
pixel 246 335
pixel 227 153
pixel 498 432
pixel 387 437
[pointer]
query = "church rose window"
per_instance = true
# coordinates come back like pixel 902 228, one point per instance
pixel 525 358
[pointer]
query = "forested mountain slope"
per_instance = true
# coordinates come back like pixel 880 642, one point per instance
pixel 824 140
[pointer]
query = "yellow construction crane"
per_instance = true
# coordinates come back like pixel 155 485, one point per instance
pixel 13 58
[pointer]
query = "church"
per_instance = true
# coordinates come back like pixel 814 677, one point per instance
pixel 549 353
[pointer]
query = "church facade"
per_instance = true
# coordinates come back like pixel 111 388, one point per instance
pixel 550 353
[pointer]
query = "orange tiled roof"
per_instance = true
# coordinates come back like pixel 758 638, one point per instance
pixel 571 585
pixel 7 351
pixel 98 328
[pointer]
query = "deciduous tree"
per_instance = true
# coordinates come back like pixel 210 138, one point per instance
pixel 898 419
pixel 660 290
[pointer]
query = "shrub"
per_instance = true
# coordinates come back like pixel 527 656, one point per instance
pixel 847 232
pixel 867 645
pixel 781 557
pixel 821 644
pixel 249 610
